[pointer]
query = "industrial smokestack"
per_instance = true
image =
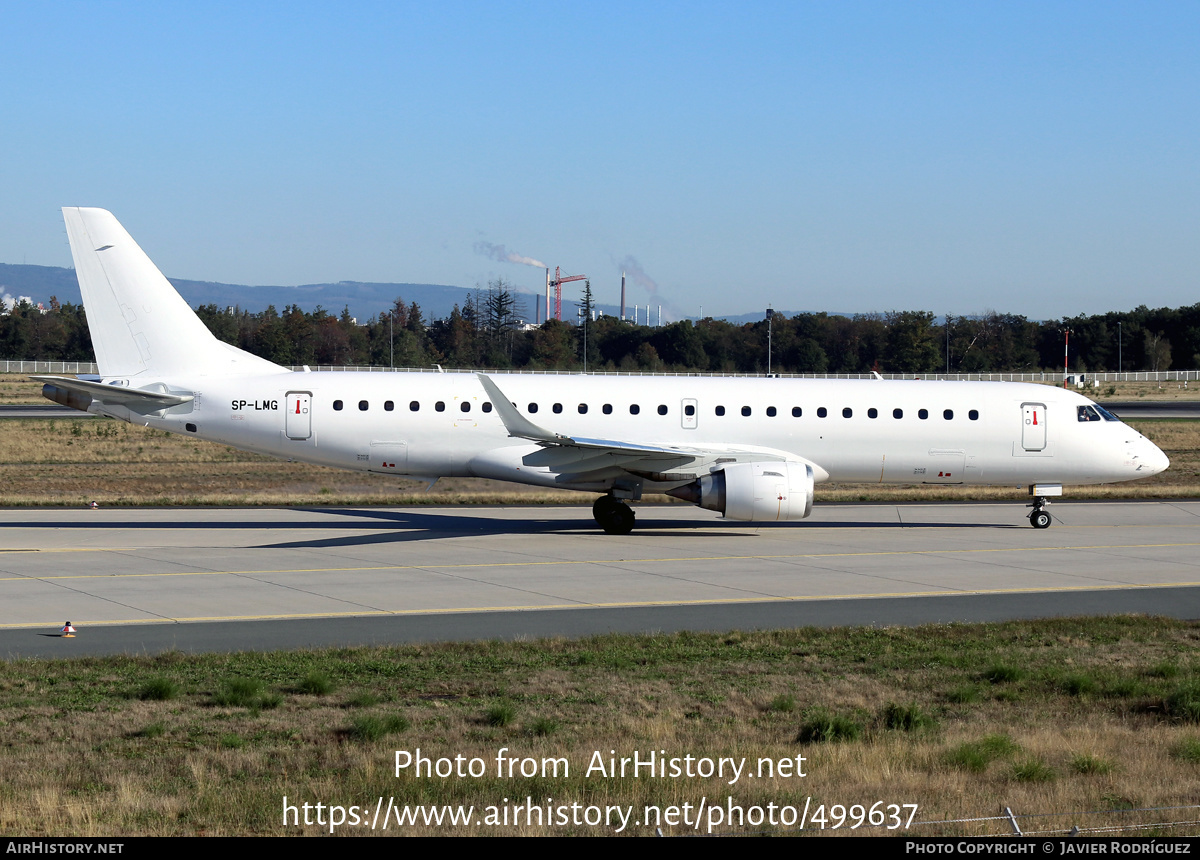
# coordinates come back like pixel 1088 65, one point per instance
pixel 622 296
pixel 547 294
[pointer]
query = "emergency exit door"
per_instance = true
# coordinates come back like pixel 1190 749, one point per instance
pixel 1033 426
pixel 298 422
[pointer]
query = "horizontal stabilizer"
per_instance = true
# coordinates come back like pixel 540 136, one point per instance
pixel 79 394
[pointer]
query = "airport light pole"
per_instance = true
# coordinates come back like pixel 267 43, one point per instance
pixel 581 313
pixel 1066 341
pixel 770 321
pixel 947 344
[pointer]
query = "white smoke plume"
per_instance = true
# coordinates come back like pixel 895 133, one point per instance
pixel 502 254
pixel 9 302
pixel 634 269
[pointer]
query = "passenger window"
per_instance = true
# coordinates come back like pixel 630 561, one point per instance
pixel 634 409
pixel 439 406
pixel 388 406
pixel 414 406
pixel 689 410
pixel 556 408
pixel 607 409
pixel 872 412
pixel 362 406
pixel 948 414
pixel 897 413
pixel 847 412
pixel 746 411
pixel 465 406
pixel 770 411
pixel 922 414
pixel 487 406
pixel 583 409
pixel 720 410
pixel 532 408
pixel 973 414
pixel 662 410
pixel 822 411
pixel 797 411
pixel 337 406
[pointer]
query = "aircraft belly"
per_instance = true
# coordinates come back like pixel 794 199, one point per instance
pixel 509 464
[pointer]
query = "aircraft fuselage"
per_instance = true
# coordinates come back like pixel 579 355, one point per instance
pixel 435 425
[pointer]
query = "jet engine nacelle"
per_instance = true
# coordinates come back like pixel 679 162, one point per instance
pixel 754 492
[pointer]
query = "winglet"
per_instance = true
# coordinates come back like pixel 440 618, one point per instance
pixel 514 422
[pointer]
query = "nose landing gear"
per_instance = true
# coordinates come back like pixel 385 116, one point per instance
pixel 613 515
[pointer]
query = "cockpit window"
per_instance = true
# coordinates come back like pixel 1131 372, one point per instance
pixel 1108 416
pixel 1087 413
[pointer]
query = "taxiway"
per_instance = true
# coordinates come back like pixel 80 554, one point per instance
pixel 148 580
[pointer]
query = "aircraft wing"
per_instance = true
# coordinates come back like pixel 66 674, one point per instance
pixel 580 459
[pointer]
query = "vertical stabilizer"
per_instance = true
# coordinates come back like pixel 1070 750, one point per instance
pixel 140 325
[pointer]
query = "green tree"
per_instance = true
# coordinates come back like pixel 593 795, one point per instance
pixel 911 342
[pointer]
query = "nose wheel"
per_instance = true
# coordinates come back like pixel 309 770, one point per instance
pixel 1039 519
pixel 613 515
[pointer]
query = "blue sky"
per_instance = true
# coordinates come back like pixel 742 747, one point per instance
pixel 1034 158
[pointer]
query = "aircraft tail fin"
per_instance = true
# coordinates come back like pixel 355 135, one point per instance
pixel 140 325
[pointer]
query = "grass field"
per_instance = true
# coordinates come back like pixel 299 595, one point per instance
pixel 1088 721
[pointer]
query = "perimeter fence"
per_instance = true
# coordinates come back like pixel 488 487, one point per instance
pixel 1051 377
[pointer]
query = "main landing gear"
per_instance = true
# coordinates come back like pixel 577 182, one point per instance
pixel 613 515
pixel 1039 519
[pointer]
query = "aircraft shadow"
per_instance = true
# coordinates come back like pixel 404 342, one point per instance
pixel 417 525
pixel 421 526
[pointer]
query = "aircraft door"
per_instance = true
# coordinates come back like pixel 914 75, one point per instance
pixel 298 423
pixel 1033 426
pixel 690 412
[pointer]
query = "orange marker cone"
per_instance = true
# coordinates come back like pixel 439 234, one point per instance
pixel 68 631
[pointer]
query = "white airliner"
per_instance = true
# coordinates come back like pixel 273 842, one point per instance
pixel 749 448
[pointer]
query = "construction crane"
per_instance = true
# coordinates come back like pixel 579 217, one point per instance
pixel 557 283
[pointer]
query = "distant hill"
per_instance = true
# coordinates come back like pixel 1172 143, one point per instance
pixel 364 300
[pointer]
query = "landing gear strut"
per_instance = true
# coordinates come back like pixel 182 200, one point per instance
pixel 1039 519
pixel 613 515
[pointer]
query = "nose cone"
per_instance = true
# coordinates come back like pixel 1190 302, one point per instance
pixel 1147 458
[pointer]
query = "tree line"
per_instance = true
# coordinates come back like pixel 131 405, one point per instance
pixel 488 331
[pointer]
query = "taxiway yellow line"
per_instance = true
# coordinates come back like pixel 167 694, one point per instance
pixel 372 613
pixel 599 561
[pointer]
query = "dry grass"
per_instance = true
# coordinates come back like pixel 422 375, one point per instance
pixel 1143 391
pixel 17 388
pixel 85 754
pixel 76 460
